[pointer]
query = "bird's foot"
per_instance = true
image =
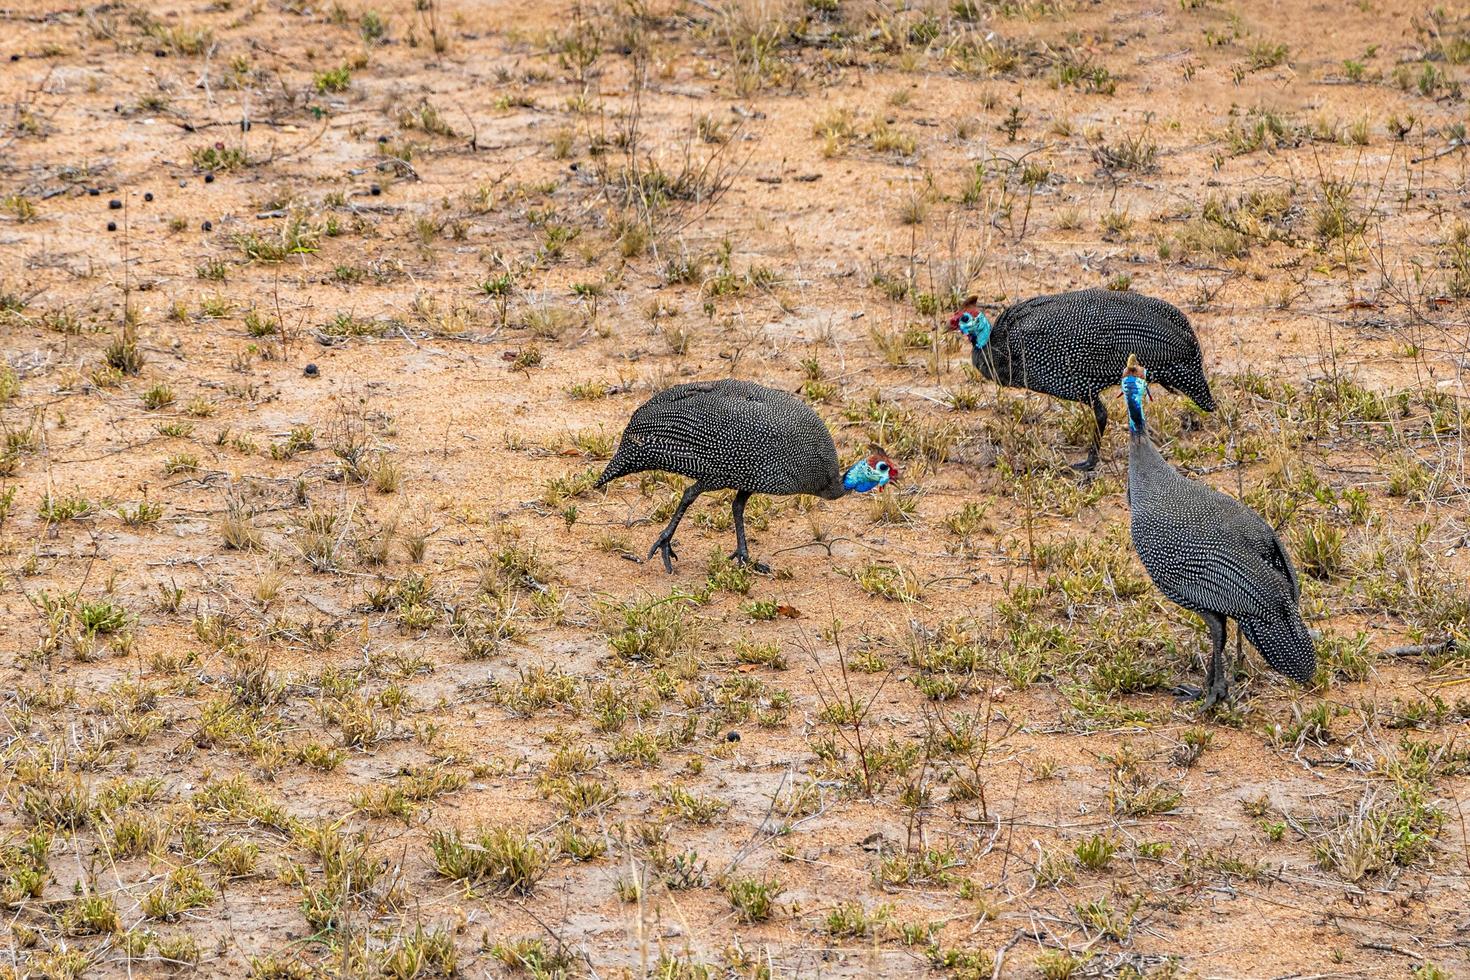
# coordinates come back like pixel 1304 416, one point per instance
pixel 666 545
pixel 1217 694
pixel 743 558
pixel 1208 698
pixel 1084 465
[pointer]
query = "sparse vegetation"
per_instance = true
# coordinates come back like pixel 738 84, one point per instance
pixel 327 656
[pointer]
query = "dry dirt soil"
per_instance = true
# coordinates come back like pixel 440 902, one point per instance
pixel 321 657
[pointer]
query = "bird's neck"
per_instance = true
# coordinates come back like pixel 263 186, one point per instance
pixel 1137 424
pixel 1143 454
pixel 982 333
pixel 836 488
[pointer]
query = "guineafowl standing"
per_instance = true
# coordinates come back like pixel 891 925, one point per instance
pixel 735 435
pixel 1212 555
pixel 1075 345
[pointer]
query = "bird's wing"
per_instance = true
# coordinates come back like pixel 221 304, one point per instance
pixel 1255 535
pixel 1266 543
pixel 1057 328
pixel 1221 579
pixel 1153 334
pixel 1207 555
pixel 703 430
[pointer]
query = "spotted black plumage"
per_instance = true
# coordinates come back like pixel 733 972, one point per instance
pixel 1075 345
pixel 1214 556
pixel 735 435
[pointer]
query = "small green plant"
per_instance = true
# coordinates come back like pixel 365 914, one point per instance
pixel 506 859
pixel 1266 54
pixel 218 158
pixel 259 325
pixel 753 899
pixel 297 237
pixel 181 890
pixel 158 396
pixel 123 353
pixel 181 463
pixel 22 207
pixel 333 80
pixel 1096 852
pixel 893 582
pixel 141 514
pixel 67 508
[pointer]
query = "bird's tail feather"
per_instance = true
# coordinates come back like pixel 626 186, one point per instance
pixel 620 465
pixel 1286 643
pixel 1194 387
pixel 1203 397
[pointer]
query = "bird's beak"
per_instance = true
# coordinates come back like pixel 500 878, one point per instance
pixel 954 322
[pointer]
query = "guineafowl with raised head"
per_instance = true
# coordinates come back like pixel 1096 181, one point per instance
pixel 1075 346
pixel 1212 555
pixel 735 435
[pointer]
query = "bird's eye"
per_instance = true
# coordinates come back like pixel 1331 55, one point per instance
pixel 965 318
pixel 882 467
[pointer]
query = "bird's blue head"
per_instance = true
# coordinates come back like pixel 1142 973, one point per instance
pixel 1135 392
pixel 872 473
pixel 971 321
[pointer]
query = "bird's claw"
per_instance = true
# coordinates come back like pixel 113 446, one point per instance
pixel 1084 465
pixel 742 558
pixel 665 545
pixel 1207 698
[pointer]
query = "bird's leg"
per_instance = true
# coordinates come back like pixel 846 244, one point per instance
pixel 1190 691
pixel 665 542
pixel 742 554
pixel 1100 419
pixel 1217 678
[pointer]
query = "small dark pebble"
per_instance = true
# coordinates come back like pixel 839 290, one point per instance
pixel 732 737
pixel 244 125
pixel 15 57
pixel 112 226
pixel 382 139
pixel 148 196
pixel 183 183
pixel 209 178
pixel 115 204
pixel 208 226
pixel 93 191
pixel 375 190
pixel 310 371
pixel 160 53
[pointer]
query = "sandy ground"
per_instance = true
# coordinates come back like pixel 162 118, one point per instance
pixel 294 435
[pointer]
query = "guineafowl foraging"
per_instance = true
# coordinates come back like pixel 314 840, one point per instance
pixel 1212 555
pixel 1075 345
pixel 735 435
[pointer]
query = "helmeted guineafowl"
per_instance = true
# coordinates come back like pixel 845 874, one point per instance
pixel 1212 555
pixel 1075 345
pixel 735 435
